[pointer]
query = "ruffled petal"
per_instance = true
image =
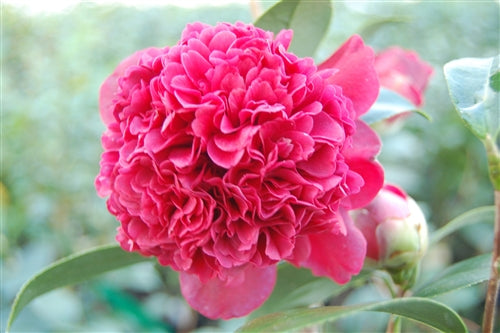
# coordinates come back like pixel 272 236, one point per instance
pixel 336 255
pixel 356 73
pixel 242 293
pixel 110 86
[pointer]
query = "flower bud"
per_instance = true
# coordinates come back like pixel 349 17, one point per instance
pixel 396 232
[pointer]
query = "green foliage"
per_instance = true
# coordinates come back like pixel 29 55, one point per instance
pixel 296 287
pixel 461 275
pixel 473 216
pixel 71 270
pixel 298 15
pixel 475 98
pixel 390 104
pixel 495 81
pixel 426 311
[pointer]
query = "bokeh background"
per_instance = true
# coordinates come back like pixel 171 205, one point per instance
pixel 52 65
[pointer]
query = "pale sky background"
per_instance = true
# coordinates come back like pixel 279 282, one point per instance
pixel 48 6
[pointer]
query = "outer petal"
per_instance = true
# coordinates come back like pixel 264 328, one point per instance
pixel 366 143
pixel 361 159
pixel 235 297
pixel 356 73
pixel 373 176
pixel 337 256
pixel 110 86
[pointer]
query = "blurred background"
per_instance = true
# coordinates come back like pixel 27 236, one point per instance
pixel 54 59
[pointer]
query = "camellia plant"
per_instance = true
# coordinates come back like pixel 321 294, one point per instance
pixel 252 172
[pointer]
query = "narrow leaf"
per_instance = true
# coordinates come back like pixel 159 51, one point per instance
pixel 390 104
pixel 71 270
pixel 474 96
pixel 298 15
pixel 296 287
pixel 473 216
pixel 460 275
pixel 426 311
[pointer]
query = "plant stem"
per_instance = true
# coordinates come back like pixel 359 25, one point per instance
pixel 492 292
pixel 493 155
pixel 394 325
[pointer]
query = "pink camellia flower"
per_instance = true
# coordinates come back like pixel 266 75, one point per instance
pixel 403 72
pixel 395 229
pixel 225 154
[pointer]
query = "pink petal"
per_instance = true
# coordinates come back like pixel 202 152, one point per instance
pixel 404 72
pixel 195 65
pixel 356 74
pixel 327 129
pixel 366 143
pixel 237 140
pixel 335 255
pixel 110 86
pixel 284 37
pixel 232 298
pixel 368 225
pixel 223 158
pixel 390 203
pixel 222 41
pixel 361 159
pixel 373 176
pixel 321 164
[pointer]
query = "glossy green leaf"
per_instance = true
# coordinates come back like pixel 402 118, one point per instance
pixel 71 270
pixel 389 104
pixel 474 95
pixel 424 310
pixel 473 216
pixel 298 15
pixel 296 287
pixel 460 275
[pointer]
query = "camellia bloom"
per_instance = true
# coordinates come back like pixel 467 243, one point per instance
pixel 403 72
pixel 225 154
pixel 395 229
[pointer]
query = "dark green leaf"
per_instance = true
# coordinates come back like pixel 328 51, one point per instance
pixel 461 275
pixel 426 311
pixel 297 287
pixel 389 104
pixel 298 15
pixel 472 94
pixel 473 216
pixel 71 270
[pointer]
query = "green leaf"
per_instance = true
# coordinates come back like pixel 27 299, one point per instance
pixel 460 275
pixel 426 311
pixel 122 302
pixel 309 21
pixel 474 95
pixel 296 287
pixel 473 216
pixel 495 81
pixel 71 270
pixel 389 104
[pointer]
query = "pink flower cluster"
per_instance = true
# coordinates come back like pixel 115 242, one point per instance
pixel 225 154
